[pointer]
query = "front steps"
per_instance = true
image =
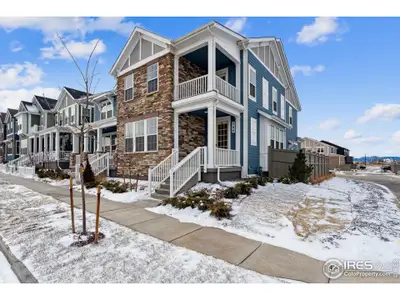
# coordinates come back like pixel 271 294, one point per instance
pixel 162 192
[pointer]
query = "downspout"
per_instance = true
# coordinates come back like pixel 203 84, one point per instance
pixel 245 66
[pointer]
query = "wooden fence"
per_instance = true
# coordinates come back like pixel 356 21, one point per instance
pixel 280 160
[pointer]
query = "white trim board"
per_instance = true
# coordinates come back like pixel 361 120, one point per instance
pixel 277 120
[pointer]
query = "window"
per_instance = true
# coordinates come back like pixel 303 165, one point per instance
pixel 106 110
pixel 283 107
pixel 290 115
pixel 152 78
pixel 272 138
pixel 252 83
pixel 265 93
pixel 128 137
pixel 72 114
pixel 275 100
pixel 253 132
pixel 281 138
pixel 141 136
pixel 277 137
pixel 332 150
pixel 128 87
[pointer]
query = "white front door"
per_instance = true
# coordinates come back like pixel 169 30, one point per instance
pixel 264 142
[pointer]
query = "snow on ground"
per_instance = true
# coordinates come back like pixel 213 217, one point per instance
pixel 369 170
pixel 339 218
pixel 6 274
pixel 36 227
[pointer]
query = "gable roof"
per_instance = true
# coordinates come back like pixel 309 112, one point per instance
pixel 12 111
pixel 332 144
pixel 3 117
pixel 46 103
pixel 76 94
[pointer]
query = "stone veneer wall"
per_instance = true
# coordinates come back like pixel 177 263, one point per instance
pixel 192 132
pixel 145 106
pixel 188 70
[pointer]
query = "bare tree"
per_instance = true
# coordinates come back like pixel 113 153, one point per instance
pixel 82 127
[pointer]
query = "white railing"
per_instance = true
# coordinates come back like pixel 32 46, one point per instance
pixel 3 168
pixel 227 157
pixel 14 162
pixel 36 128
pixel 99 163
pixel 26 171
pixel 192 87
pixel 227 89
pixel 160 173
pixel 182 172
pixel 65 155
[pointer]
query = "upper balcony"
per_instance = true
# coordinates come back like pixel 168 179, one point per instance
pixel 36 128
pixel 207 68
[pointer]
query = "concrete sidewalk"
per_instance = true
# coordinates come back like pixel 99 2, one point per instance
pixel 250 254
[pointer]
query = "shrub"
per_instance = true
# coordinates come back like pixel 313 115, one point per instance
pixel 219 194
pixel 203 193
pixel 114 186
pixel 300 171
pixel 172 200
pixel 91 185
pixel 285 180
pixel 231 193
pixel 88 175
pixel 221 209
pixel 243 188
pixel 268 179
pixel 253 181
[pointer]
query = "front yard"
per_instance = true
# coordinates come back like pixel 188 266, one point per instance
pixel 339 218
pixel 37 229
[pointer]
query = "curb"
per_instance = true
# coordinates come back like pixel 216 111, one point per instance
pixel 19 269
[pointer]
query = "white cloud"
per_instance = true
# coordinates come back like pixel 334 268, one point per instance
pixel 78 49
pixel 329 124
pixel 16 46
pixel 76 26
pixel 306 70
pixel 380 112
pixel 351 134
pixel 396 137
pixel 319 31
pixel 20 75
pixel 368 140
pixel 236 24
pixel 11 98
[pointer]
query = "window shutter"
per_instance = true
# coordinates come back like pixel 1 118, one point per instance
pixel 265 88
pixel 282 107
pixel 253 131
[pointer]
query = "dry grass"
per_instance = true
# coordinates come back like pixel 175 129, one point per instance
pixel 318 180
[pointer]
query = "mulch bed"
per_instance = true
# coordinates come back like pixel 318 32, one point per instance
pixel 86 239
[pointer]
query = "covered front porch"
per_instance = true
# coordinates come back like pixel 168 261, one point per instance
pixel 211 125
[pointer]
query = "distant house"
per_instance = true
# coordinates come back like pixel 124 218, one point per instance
pixel 3 136
pixel 341 151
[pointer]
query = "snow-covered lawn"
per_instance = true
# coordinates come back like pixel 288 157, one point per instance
pixel 36 227
pixel 339 218
pixel 369 170
pixel 6 274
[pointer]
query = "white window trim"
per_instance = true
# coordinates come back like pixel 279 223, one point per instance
pixel 290 121
pixel 283 108
pixel 133 124
pixel 222 72
pixel 274 92
pixel 133 87
pixel 265 94
pixel 220 120
pixel 255 85
pixel 255 141
pixel 108 105
pixel 158 79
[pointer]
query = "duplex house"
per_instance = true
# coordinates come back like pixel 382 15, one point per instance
pixel 12 140
pixel 211 95
pixel 3 136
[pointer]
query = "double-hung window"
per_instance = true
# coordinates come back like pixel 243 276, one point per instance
pixel 252 83
pixel 152 78
pixel 290 115
pixel 277 137
pixel 129 87
pixel 283 107
pixel 141 136
pixel 106 110
pixel 274 100
pixel 265 93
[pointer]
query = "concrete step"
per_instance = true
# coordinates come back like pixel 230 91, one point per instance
pixel 165 186
pixel 159 196
pixel 162 191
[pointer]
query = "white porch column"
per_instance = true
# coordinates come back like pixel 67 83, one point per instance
pixel 46 143
pixel 57 145
pixel 237 73
pixel 237 133
pixel 51 141
pixel 35 144
pixel 176 76
pixel 86 143
pixel 176 131
pixel 211 114
pixel 99 140
pixel 211 64
pixel 75 143
pixel 40 143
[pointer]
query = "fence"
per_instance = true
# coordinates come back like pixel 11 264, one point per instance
pixel 280 160
pixel 18 170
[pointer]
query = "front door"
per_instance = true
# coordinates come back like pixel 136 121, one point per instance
pixel 223 134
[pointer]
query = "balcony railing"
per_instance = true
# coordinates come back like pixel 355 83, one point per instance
pixel 199 85
pixel 227 89
pixel 227 157
pixel 36 128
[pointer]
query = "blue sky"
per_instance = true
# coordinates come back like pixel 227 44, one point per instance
pixel 346 70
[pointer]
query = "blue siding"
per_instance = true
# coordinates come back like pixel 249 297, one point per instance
pixel 241 101
pixel 96 113
pixel 254 106
pixel 232 74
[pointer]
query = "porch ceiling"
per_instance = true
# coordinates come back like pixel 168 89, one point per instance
pixel 200 58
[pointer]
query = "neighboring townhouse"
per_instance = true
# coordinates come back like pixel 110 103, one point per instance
pixel 28 116
pixel 12 140
pixel 3 137
pixel 341 151
pixel 313 145
pixel 212 94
